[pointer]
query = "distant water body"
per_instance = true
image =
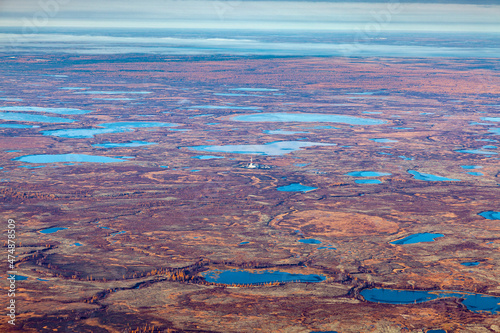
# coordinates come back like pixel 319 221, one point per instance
pixel 249 42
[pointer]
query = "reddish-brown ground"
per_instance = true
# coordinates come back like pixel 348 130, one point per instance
pixel 180 223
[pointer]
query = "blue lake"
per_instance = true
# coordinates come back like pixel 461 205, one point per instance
pixel 224 107
pixel 495 119
pixel 257 277
pixel 206 157
pixel 309 241
pixel 367 181
pixel 490 147
pixel 490 215
pixel 47 110
pixel 296 187
pixel 475 173
pixel 495 131
pixel 471 167
pixel 20 277
pixel 271 148
pixel 17 126
pixel 470 263
pixel 56 158
pixel 367 174
pixel 124 144
pixel 381 140
pixel 102 92
pixel 106 128
pixel 231 94
pixel 307 117
pixel 77 244
pixel 7 99
pixel 16 116
pixel 417 238
pixel 476 151
pixel 473 302
pixel 430 178
pixel 114 99
pixel 405 158
pixel 487 140
pixel 51 230
pixel 31 167
pixel 243 243
pixel 254 89
pixel 283 132
pixel 324 127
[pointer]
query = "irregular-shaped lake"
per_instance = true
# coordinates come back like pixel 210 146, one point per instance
pixel 51 230
pixel 367 181
pixel 271 148
pixel 15 116
pixel 283 132
pixel 417 238
pixel 48 110
pixel 470 263
pixel 307 117
pixel 224 107
pixel 430 178
pixel 310 241
pixel 474 302
pixel 382 140
pixel 471 167
pixel 476 151
pixel 124 144
pixel 257 277
pixel 107 128
pixel 206 157
pixel 254 89
pixel 367 174
pixel 490 215
pixel 103 92
pixel 17 126
pixel 296 187
pixel 56 158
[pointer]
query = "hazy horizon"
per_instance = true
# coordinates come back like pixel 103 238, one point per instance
pixel 253 15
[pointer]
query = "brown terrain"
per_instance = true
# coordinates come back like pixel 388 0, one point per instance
pixel 180 223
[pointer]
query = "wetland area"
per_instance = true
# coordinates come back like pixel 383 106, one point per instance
pixel 213 193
